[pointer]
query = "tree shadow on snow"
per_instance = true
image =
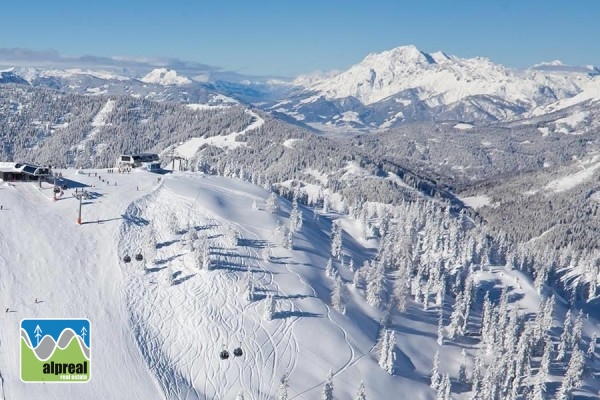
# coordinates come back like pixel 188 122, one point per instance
pixel 166 260
pixel 154 269
pixel 255 243
pixel 135 220
pixel 179 281
pixel 300 314
pixel 166 243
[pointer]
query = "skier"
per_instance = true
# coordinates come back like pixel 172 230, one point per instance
pixel 36 301
pixel 1 207
pixel 6 309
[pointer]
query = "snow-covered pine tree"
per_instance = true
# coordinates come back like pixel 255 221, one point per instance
pixel 361 393
pixel 282 392
pixel 192 236
pixel 401 290
pixel 295 217
pixel 376 286
pixel 539 381
pixel 462 368
pixel 338 295
pixel 336 239
pixel 199 257
pixel 289 239
pixel 435 372
pixel 444 389
pixel 572 378
pixel 270 307
pixel 232 236
pixel 440 328
pixel 577 330
pixel 271 204
pixel 565 337
pixel 591 351
pixel 456 321
pixel 359 280
pixel 390 357
pixel 330 269
pixel 327 393
pixel 476 379
pixel 250 288
pixel 351 265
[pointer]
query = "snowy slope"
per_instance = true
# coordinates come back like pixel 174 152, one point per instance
pixel 168 337
pixel 163 321
pixel 191 146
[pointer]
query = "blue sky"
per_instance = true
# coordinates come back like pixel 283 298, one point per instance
pixel 287 38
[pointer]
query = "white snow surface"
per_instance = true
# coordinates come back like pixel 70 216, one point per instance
pixel 98 122
pixel 573 180
pixel 191 146
pixel 463 126
pixel 476 202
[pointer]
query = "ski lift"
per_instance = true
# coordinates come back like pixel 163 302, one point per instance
pixel 139 257
pixel 224 354
pixel 238 352
pixel 127 259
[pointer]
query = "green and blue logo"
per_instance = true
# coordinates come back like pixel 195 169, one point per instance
pixel 55 350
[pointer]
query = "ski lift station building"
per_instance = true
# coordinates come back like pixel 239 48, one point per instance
pixel 10 172
pixel 136 160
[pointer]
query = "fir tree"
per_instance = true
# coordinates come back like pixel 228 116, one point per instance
pixel 271 205
pixel 359 281
pixel 330 269
pixel 270 307
pixel 282 392
pixel 440 329
pixel 361 394
pixel 572 378
pixel 591 351
pixel 376 287
pixel 338 295
pixel 327 393
pixel 462 368
pixel 336 239
pixel 565 337
pixel 539 385
pixel 435 372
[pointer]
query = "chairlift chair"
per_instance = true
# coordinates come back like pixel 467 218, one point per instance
pixel 127 259
pixel 139 257
pixel 224 354
pixel 238 352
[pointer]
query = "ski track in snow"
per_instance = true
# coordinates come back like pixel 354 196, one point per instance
pixel 196 371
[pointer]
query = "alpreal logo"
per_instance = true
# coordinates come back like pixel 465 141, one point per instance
pixel 55 350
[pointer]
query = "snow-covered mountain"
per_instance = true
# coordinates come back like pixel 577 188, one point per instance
pixel 406 84
pixel 165 77
pixel 160 84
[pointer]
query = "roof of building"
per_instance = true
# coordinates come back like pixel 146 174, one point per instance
pixel 26 168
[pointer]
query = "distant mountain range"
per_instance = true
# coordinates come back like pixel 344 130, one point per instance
pixel 384 90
